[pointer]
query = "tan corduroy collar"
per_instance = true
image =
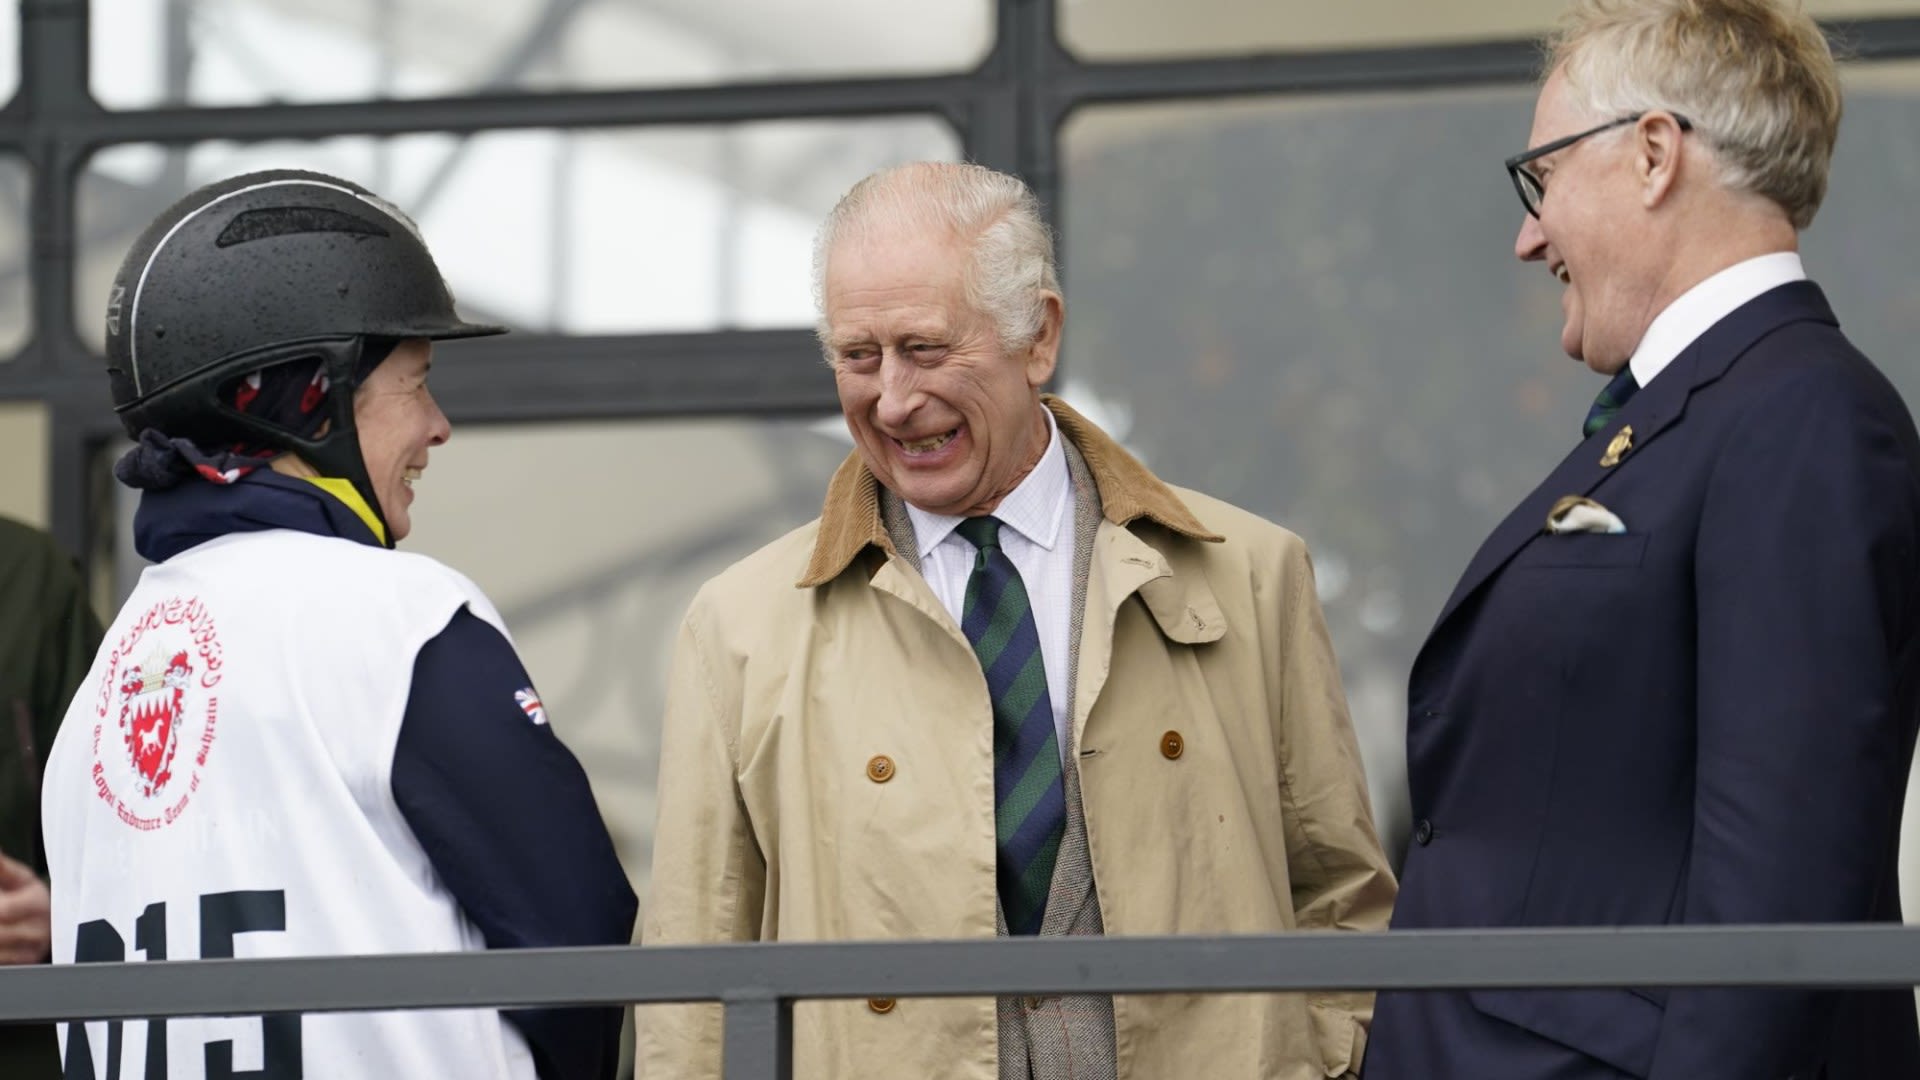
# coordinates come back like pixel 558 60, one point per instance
pixel 850 521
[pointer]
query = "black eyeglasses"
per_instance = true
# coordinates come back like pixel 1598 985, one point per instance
pixel 1532 189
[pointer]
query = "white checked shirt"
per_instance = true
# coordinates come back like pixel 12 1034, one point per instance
pixel 1037 535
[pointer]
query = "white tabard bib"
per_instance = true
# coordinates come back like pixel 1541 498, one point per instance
pixel 221 788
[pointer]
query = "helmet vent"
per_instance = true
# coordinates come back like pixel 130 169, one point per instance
pixel 290 220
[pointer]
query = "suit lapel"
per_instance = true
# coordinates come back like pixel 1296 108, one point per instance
pixel 1649 413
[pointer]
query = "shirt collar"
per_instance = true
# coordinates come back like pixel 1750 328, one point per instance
pixel 1033 509
pixel 850 521
pixel 1697 309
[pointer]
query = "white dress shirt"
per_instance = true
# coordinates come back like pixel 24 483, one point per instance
pixel 1697 309
pixel 1037 535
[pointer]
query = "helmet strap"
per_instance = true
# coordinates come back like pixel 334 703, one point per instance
pixel 336 451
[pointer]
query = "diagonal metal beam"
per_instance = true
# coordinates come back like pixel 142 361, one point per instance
pixel 540 38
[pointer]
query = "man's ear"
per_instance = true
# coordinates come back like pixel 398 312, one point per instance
pixel 1659 145
pixel 1044 354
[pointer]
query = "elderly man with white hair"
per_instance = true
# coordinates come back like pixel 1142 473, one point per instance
pixel 1680 683
pixel 1008 683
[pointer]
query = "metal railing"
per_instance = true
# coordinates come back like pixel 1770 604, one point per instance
pixel 758 984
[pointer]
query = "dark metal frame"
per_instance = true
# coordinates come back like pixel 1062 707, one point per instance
pixel 758 983
pixel 1007 112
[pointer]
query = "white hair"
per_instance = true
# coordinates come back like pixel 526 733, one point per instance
pixel 1011 266
pixel 1756 78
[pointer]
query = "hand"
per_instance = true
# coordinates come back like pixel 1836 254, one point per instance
pixel 26 914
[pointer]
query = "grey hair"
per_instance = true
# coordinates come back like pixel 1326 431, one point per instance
pixel 1756 77
pixel 1012 265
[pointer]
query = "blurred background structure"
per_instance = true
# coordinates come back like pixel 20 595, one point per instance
pixel 1285 231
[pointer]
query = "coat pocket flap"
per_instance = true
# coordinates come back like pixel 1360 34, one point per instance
pixel 1185 610
pixel 1618 1027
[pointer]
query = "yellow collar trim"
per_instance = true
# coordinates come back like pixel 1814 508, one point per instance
pixel 345 491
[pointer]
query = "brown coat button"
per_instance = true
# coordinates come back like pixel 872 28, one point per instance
pixel 880 770
pixel 1172 745
pixel 883 1006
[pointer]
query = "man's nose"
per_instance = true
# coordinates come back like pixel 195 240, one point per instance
pixel 899 390
pixel 1531 244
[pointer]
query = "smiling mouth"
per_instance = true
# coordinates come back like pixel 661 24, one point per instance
pixel 1560 272
pixel 927 445
pixel 410 476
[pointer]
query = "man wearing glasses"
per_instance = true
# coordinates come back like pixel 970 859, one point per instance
pixel 1680 683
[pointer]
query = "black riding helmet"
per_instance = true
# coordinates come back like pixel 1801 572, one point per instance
pixel 260 270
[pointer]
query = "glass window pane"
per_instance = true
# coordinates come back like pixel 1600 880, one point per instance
pixel 594 610
pixel 16 312
pixel 23 446
pixel 1308 307
pixel 1862 246
pixel 1140 29
pixel 590 232
pixel 245 52
pixel 9 50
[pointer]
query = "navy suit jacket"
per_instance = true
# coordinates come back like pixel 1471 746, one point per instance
pixel 1706 719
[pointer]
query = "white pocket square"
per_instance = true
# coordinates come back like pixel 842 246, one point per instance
pixel 1579 514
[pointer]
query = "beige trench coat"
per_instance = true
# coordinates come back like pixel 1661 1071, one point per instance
pixel 804 665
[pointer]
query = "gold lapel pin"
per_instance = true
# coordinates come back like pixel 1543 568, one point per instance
pixel 1618 448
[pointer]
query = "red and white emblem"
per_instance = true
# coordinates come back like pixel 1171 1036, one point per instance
pixel 151 699
pixel 155 719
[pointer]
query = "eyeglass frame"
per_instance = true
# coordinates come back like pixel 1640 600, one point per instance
pixel 1523 179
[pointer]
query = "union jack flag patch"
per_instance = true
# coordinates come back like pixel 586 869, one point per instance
pixel 529 703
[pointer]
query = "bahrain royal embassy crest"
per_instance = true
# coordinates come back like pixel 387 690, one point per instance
pixel 155 720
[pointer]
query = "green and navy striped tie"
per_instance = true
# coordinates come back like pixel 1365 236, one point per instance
pixel 1030 806
pixel 1613 397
